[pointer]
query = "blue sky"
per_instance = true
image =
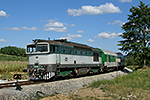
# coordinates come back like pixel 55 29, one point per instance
pixel 93 22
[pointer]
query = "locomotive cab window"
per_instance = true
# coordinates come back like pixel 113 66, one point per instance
pixel 37 48
pixel 42 47
pixel 31 48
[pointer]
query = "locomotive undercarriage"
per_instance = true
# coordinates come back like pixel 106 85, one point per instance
pixel 40 72
pixel 47 72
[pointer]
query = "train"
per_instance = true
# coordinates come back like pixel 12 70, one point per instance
pixel 51 58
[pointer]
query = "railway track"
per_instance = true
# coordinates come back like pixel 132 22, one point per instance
pixel 18 84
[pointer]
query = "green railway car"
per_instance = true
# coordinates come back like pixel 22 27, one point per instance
pixel 112 59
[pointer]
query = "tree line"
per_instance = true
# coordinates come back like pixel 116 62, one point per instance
pixel 11 50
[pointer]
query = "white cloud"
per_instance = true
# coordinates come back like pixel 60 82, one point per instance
pixel 68 38
pixel 2 40
pixel 120 33
pixel 69 24
pixel 32 28
pixel 116 22
pixel 107 35
pixel 74 35
pixel 53 25
pixel 125 1
pixel 12 28
pixel 21 28
pixel 71 36
pixel 94 10
pixel 57 29
pixel 90 40
pixel 81 31
pixel 3 14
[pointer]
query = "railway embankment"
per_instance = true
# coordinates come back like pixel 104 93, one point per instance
pixel 64 87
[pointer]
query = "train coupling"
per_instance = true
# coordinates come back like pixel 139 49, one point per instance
pixel 17 76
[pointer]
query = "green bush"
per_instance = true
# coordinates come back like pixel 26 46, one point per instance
pixel 10 50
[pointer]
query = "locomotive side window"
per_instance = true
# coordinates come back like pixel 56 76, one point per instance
pixel 114 59
pixel 57 49
pixel 76 52
pixel 96 56
pixel 100 54
pixel 109 57
pixel 90 53
pixel 106 58
pixel 63 50
pixel 70 51
pixel 81 52
pixel 85 53
pixel 52 48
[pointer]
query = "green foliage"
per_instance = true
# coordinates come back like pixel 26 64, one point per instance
pixel 10 50
pixel 135 60
pixel 4 57
pixel 136 36
pixel 129 60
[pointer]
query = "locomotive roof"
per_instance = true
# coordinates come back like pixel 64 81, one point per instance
pixel 109 52
pixel 66 43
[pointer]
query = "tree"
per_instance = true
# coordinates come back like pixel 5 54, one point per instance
pixel 136 36
pixel 10 50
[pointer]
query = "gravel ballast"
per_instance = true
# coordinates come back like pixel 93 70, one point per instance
pixel 64 87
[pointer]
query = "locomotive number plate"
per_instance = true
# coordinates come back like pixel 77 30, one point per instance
pixel 36 66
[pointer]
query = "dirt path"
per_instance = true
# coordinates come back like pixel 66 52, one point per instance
pixel 84 94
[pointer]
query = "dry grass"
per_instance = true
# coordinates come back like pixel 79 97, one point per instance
pixel 9 68
pixel 135 85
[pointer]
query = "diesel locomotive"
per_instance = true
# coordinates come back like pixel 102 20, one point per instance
pixel 51 58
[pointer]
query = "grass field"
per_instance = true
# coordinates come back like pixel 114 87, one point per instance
pixel 9 68
pixel 135 85
pixel 10 65
pixel 4 57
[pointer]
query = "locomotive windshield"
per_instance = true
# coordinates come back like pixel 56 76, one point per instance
pixel 37 48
